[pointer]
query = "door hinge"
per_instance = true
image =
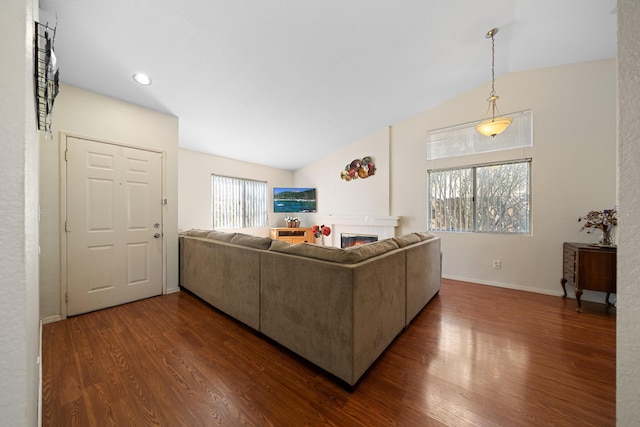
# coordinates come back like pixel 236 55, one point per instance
pixel 66 152
pixel 66 226
pixel 66 297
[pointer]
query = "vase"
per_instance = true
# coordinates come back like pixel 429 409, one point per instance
pixel 293 224
pixel 606 239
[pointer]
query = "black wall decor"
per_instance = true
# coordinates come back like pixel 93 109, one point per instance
pixel 45 74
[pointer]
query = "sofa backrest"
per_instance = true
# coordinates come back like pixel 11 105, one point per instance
pixel 235 238
pixel 350 255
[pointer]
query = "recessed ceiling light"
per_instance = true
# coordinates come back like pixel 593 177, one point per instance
pixel 142 78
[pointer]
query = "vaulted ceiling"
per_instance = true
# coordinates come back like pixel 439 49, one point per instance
pixel 279 82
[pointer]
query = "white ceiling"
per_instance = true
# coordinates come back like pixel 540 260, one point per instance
pixel 282 82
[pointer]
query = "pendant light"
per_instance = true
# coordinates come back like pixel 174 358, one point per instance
pixel 496 124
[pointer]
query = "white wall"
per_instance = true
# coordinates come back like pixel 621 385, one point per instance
pixel 628 334
pixel 336 196
pixel 578 157
pixel 573 172
pixel 19 320
pixel 194 186
pixel 91 115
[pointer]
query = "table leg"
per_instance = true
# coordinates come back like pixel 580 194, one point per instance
pixel 563 282
pixel 578 296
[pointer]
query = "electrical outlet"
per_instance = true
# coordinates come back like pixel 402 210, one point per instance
pixel 497 264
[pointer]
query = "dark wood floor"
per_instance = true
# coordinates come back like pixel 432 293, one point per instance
pixel 476 356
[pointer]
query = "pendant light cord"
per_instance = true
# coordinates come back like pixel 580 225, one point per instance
pixel 493 66
pixel 491 126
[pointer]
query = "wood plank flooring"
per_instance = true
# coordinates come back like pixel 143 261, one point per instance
pixel 476 356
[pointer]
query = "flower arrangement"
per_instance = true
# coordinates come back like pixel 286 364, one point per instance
pixel 604 220
pixel 321 230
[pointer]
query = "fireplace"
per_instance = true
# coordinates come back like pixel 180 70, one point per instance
pixel 381 226
pixel 352 239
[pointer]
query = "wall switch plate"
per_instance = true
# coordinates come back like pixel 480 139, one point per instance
pixel 497 264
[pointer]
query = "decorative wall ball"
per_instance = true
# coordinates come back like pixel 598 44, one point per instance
pixel 358 168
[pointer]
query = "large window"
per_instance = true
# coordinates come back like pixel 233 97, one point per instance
pixel 493 198
pixel 238 203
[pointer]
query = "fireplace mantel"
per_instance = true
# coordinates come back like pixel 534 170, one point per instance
pixel 382 226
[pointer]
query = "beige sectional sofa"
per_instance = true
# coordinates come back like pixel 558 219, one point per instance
pixel 338 308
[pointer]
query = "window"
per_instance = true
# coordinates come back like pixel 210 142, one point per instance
pixel 462 140
pixel 238 203
pixel 493 198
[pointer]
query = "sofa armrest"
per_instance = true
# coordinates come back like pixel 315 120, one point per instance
pixel 225 275
pixel 423 275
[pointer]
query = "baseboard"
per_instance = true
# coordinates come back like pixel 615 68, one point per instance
pixel 172 290
pixel 591 296
pixel 51 319
pixel 504 285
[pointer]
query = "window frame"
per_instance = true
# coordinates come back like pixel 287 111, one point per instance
pixel 474 197
pixel 244 219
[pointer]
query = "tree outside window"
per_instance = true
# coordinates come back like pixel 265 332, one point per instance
pixel 492 198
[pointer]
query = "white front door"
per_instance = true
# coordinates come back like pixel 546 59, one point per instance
pixel 113 225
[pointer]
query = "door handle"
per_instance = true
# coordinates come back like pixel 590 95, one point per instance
pixel 157 235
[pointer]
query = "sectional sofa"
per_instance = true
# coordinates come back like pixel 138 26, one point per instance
pixel 338 308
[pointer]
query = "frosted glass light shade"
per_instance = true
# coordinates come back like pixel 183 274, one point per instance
pixel 493 127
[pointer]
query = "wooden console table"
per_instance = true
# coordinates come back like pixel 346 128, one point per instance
pixel 292 235
pixel 589 267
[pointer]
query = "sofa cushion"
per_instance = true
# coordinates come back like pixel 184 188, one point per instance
pixel 220 236
pixel 425 236
pixel 369 250
pixel 325 253
pixel 251 241
pixel 197 233
pixel 275 244
pixel 407 239
pixel 329 253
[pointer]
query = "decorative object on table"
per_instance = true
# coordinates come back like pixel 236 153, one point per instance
pixel 492 126
pixel 605 221
pixel 292 221
pixel 320 231
pixel 359 168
